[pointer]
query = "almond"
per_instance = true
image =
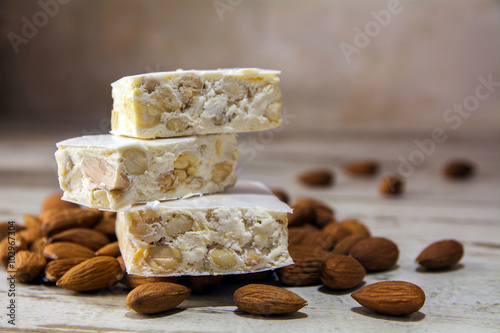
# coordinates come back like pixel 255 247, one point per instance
pixel 38 245
pixel 345 245
pixel 323 214
pixel 298 235
pixel 6 227
pixel 391 185
pixel 111 249
pixel 458 169
pixel 157 297
pixel 9 246
pixel 364 168
pixel 302 214
pixel 107 225
pixel 133 281
pixel 28 265
pixel 265 299
pixel 340 272
pixel 391 297
pixel 56 268
pixel 442 254
pixel 317 177
pixel 57 220
pixel 203 284
pixel 92 274
pixel 305 270
pixel 31 234
pixel 376 253
pixel 280 193
pixel 122 264
pixel 90 238
pixel 32 221
pixel 355 227
pixel 332 233
pixel 61 250
pixel 54 201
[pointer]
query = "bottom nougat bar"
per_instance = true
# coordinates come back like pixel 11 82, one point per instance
pixel 240 231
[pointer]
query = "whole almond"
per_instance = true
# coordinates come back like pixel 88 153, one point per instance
pixel 376 253
pixel 57 220
pixel 442 254
pixel 28 265
pixel 363 168
pixel 305 270
pixel 391 185
pixel 56 268
pixel 265 299
pixel 157 297
pixel 38 245
pixel 122 264
pixel 6 227
pixel 391 297
pixel 280 193
pixel 92 274
pixel 332 233
pixel 345 245
pixel 323 213
pixel 90 238
pixel 7 254
pixel 111 249
pixel 340 272
pixel 458 169
pixel 61 250
pixel 32 221
pixel 316 177
pixel 302 214
pixel 106 225
pixel 133 281
pixel 298 235
pixel 31 234
pixel 54 201
pixel 203 284
pixel 355 227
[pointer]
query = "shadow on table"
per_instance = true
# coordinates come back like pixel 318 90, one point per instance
pixel 328 291
pixel 454 268
pixel 289 316
pixel 414 317
pixel 139 316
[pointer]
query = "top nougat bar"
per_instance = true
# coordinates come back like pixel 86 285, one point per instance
pixel 181 103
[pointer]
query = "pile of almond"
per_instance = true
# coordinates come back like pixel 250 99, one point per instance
pixel 76 249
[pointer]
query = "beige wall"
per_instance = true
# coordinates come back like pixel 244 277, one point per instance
pixel 426 59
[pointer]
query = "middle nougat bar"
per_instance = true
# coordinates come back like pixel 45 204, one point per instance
pixel 112 172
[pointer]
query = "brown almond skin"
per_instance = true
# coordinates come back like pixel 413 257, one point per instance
pixel 361 168
pixel 203 284
pixel 4 228
pixel 305 270
pixel 340 272
pixel 133 281
pixel 58 220
pixel 376 253
pixel 122 264
pixel 38 245
pixel 32 221
pixel 30 235
pixel 298 235
pixel 19 245
pixel 281 194
pixel 333 233
pixel 28 266
pixel 355 227
pixel 90 238
pixel 302 214
pixel 111 249
pixel 440 255
pixel 151 298
pixel 54 201
pixel 106 225
pixel 267 300
pixel 391 185
pixel 395 298
pixel 345 245
pixel 92 274
pixel 323 213
pixel 458 169
pixel 316 178
pixel 55 269
pixel 61 250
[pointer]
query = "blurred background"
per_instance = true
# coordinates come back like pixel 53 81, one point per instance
pixel 346 65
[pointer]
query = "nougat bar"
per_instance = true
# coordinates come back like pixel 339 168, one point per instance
pixel 179 103
pixel 241 230
pixel 111 172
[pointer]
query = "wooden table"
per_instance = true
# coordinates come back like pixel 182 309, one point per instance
pixel 461 300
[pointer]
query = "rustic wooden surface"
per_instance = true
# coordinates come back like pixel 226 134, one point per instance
pixel 465 299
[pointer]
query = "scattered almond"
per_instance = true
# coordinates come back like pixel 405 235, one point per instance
pixel 111 249
pixel 333 233
pixel 323 214
pixel 340 272
pixel 362 168
pixel 305 270
pixel 32 221
pixel 122 264
pixel 5 227
pixel 345 245
pixel 31 234
pixel 280 193
pixel 203 284
pixel 355 227
pixel 38 245
pixel 391 297
pixel 302 214
pixel 391 185
pixel 106 225
pixel 442 254
pixel 28 265
pixel 58 220
pixel 157 297
pixel 61 250
pixel 55 269
pixel 265 299
pixel 458 169
pixel 317 177
pixel 132 281
pixel 54 202
pixel 7 254
pixel 376 253
pixel 92 274
pixel 90 238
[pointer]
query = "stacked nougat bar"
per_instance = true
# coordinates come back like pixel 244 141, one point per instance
pixel 168 169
